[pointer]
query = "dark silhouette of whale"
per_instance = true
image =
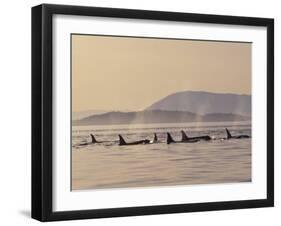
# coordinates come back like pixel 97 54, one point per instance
pixel 123 142
pixel 229 136
pixel 155 139
pixel 171 140
pixel 186 138
pixel 93 141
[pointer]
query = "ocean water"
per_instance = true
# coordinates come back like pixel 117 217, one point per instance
pixel 107 165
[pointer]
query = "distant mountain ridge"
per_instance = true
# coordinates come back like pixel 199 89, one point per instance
pixel 200 102
pixel 187 106
pixel 155 116
pixel 76 115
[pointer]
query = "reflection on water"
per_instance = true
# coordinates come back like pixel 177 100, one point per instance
pixel 107 165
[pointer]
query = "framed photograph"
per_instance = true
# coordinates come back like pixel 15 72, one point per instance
pixel 145 112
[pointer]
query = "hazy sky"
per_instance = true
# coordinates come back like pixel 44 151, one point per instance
pixel 118 73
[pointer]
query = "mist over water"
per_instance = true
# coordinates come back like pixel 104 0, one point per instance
pixel 108 165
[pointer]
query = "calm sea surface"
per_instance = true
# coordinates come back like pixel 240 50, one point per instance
pixel 108 165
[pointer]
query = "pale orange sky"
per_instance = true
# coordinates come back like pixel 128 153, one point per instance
pixel 120 73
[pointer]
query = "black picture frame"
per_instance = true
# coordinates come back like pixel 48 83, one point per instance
pixel 42 111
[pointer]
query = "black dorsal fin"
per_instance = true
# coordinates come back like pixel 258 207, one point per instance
pixel 121 140
pixel 184 137
pixel 228 133
pixel 155 139
pixel 93 138
pixel 170 139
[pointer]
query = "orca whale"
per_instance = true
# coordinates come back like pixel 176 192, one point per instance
pixel 170 140
pixel 229 136
pixel 186 138
pixel 93 141
pixel 122 142
pixel 155 139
